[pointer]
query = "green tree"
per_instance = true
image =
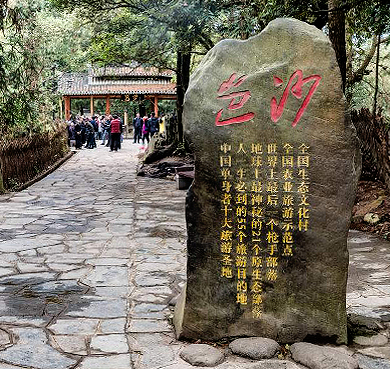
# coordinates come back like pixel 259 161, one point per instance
pixel 19 66
pixel 37 44
pixel 153 32
pixel 67 39
pixel 349 23
pixel 169 33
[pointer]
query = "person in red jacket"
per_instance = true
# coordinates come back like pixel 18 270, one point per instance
pixel 116 130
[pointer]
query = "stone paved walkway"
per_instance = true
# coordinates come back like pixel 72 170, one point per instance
pixel 91 256
pixel 368 292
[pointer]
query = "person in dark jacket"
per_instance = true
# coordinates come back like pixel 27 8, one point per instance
pixel 90 133
pixel 83 131
pixel 106 131
pixel 109 119
pixel 137 125
pixel 153 124
pixel 95 125
pixel 71 135
pixel 116 130
pixel 145 129
pixel 78 135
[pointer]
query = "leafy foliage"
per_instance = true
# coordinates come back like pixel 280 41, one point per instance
pixel 37 43
pixel 367 18
pixel 363 92
pixel 19 66
pixel 241 19
pixel 67 38
pixel 124 37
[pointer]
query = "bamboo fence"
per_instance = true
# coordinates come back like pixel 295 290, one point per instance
pixel 22 159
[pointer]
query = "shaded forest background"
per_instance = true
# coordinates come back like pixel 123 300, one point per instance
pixel 41 39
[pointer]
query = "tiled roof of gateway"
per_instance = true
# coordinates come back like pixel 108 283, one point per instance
pixel 105 81
pixel 129 71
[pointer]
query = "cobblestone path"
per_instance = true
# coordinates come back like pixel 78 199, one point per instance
pixel 89 259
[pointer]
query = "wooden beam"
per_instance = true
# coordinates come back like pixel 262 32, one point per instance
pixel 167 97
pixel 94 96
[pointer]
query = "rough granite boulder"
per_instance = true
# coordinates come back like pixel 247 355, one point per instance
pixel 379 352
pixel 276 170
pixel 255 348
pixel 322 357
pixel 202 355
pixel 377 340
pixel 272 364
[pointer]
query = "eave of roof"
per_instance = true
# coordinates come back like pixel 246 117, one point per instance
pixel 80 84
pixel 129 71
pixel 125 90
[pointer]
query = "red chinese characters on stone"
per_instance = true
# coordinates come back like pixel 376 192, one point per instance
pixel 237 101
pixel 296 90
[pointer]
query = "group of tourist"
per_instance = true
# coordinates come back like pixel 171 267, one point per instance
pixel 145 127
pixel 85 132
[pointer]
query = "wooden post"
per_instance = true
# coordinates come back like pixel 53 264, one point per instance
pixel 61 110
pixel 108 107
pixel 156 106
pixel 126 119
pixel 92 107
pixel 67 107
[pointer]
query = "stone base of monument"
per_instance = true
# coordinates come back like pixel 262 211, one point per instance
pixel 267 354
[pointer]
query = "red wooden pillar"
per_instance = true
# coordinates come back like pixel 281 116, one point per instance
pixel 92 107
pixel 67 107
pixel 108 106
pixel 156 106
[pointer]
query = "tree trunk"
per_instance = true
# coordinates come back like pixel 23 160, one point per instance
pixel 376 76
pixel 374 141
pixel 336 22
pixel 2 189
pixel 183 79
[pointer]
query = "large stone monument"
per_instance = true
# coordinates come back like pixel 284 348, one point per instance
pixel 276 170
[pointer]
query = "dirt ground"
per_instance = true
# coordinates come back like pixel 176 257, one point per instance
pixel 165 168
pixel 373 199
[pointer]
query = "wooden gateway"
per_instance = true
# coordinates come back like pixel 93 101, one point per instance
pixel 126 83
